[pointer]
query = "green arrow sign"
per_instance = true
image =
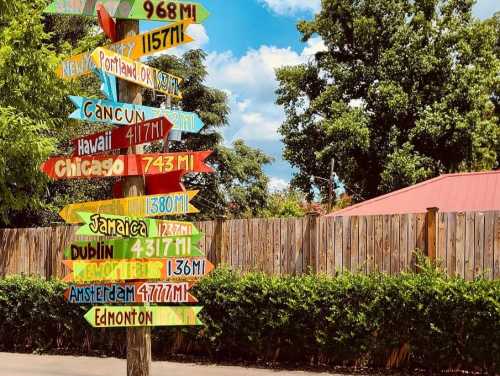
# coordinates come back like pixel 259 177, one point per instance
pixel 123 249
pixel 132 227
pixel 153 10
pixel 116 317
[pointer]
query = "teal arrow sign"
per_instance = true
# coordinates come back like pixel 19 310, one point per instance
pixel 109 112
pixel 109 86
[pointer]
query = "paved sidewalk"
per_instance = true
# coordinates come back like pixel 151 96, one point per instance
pixel 35 365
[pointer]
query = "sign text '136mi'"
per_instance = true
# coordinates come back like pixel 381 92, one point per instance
pixel 144 269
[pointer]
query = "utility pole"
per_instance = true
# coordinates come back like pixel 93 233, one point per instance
pixel 138 339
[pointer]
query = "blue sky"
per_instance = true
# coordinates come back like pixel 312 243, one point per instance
pixel 246 40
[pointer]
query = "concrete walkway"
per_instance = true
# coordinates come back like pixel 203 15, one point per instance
pixel 35 365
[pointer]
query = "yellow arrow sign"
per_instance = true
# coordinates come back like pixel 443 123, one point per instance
pixel 133 47
pixel 129 70
pixel 142 206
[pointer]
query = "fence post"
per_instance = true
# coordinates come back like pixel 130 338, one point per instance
pixel 313 226
pixel 431 239
pixel 220 241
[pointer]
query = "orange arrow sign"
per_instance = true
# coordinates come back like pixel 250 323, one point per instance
pixel 103 166
pixel 150 269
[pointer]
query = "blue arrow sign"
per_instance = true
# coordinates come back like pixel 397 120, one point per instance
pixel 108 112
pixel 109 86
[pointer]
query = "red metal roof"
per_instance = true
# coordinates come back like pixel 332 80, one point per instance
pixel 476 191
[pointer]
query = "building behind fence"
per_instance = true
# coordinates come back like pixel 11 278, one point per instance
pixel 465 244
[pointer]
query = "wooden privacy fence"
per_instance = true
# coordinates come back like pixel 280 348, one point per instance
pixel 466 244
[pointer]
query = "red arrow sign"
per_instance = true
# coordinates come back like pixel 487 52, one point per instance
pixel 157 184
pixel 124 137
pixel 101 166
pixel 107 23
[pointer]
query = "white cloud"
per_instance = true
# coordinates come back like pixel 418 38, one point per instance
pixel 289 7
pixel 195 31
pixel 250 83
pixel 277 184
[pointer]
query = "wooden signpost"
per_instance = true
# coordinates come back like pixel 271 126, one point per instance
pixel 120 138
pixel 130 293
pixel 136 72
pixel 115 113
pixel 137 269
pixel 116 317
pixel 131 227
pixel 159 259
pixel 128 249
pixel 140 206
pixel 154 10
pixel 105 166
pixel 132 47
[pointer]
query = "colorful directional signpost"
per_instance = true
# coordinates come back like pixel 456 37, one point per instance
pixel 148 262
pixel 115 113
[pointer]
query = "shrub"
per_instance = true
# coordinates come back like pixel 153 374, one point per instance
pixel 421 320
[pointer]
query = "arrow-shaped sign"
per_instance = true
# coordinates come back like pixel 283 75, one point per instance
pixel 130 293
pixel 103 166
pixel 108 112
pixel 153 10
pixel 131 227
pixel 129 249
pixel 109 86
pixel 121 138
pixel 142 206
pixel 157 184
pixel 134 47
pixel 136 72
pixel 108 25
pixel 125 270
pixel 123 317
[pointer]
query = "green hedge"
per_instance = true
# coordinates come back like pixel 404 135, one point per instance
pixel 418 321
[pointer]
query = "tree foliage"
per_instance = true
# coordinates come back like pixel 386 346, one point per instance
pixel 402 92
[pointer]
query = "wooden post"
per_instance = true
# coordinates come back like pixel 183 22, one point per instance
pixel 138 339
pixel 431 244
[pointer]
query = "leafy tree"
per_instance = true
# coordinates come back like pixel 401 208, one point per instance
pixel 285 204
pixel 31 109
pixel 402 93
